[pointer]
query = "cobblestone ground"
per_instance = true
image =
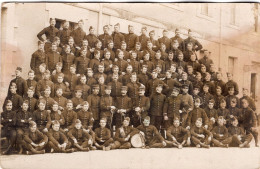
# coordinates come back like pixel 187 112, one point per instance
pixel 172 158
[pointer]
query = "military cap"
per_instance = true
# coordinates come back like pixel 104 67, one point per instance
pixel 91 27
pixel 115 66
pixel 212 101
pixel 233 100
pixel 130 26
pixel 152 31
pixel 30 71
pixel 222 101
pixel 233 119
pixel 103 119
pixel 189 30
pixel 31 88
pixel 52 19
pixel 8 101
pixel 55 122
pixel 176 89
pixel 185 86
pixel 19 69
pixel 154 71
pixel 180 67
pixel 176 118
pixel 218 87
pixel 73 65
pixel 110 41
pixel 69 101
pixel 202 65
pixel 61 75
pixel 244 88
pixel 147 118
pixel 199 119
pixel 165 30
pixel 55 103
pixel 78 121
pixel 40 42
pixel 127 118
pixel 26 102
pixel 32 123
pixel 81 20
pixel 89 69
pixel 107 87
pixel 198 100
pixel 95 87
pixel 196 86
pixel 123 42
pixel 142 87
pixel 124 88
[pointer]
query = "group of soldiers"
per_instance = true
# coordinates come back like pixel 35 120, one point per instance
pixel 88 92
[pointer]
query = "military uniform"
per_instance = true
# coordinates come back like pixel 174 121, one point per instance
pixel 105 108
pixel 211 113
pixel 72 79
pixel 62 101
pixel 57 138
pixel 86 118
pixel 206 97
pixel 131 40
pixel 236 131
pixel 165 40
pixel 151 86
pixel 21 86
pixel 85 90
pixel 223 112
pixel 92 40
pixel 52 58
pixel 64 35
pixel 38 57
pixel 196 44
pixel 122 102
pixel 82 63
pixel 231 83
pixel 49 102
pixel 94 102
pixel 122 65
pixel 16 99
pixel 56 115
pixel 105 38
pixel 50 32
pixel 31 83
pixel 143 40
pixel 36 137
pixel 195 114
pixel 22 123
pixel 103 137
pixel 195 131
pixel 78 35
pixel 82 137
pixel 42 119
pixel 67 61
pixel 179 133
pixel 32 103
pixel 144 104
pixel 116 88
pixel 70 118
pixel 117 39
pixel 219 140
pixel 206 61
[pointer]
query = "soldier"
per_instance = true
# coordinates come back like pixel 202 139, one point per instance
pixel 164 54
pixel 52 58
pixel 107 107
pixel 81 139
pixel 218 97
pixel 206 60
pixel 141 105
pixel 31 82
pixel 60 99
pixel 222 111
pixel 249 120
pixel 103 135
pixel 84 87
pixel 126 53
pixel 133 62
pixel 105 38
pixel 42 116
pixel 184 81
pixel 131 38
pixel 94 102
pixel 40 75
pixel 77 100
pixel 143 38
pixel 65 33
pixel 234 112
pixel 177 38
pixel 158 62
pixel 143 76
pixel 196 113
pixel 220 134
pixel 23 117
pixel 200 136
pixel 250 100
pixel 165 40
pixel 196 44
pixel 100 72
pixel 58 141
pixel 178 135
pixel 91 37
pixel 231 96
pixel 121 63
pixel 152 83
pixel 47 97
pixel 150 50
pixel 71 78
pixel 133 86
pixel 93 64
pixel 62 85
pixel 16 99
pixel 50 32
pixel 156 109
pixel 189 52
pixel 175 50
pixel 34 140
pixel 219 81
pixel 67 60
pixel 212 114
pixel 117 37
pixel 193 62
pixel 180 61
pixel 110 48
pixel 211 85
pixel 38 57
pixel 171 107
pixel 32 102
pixel 123 107
pixel 155 43
pixel 20 82
pixel 84 47
pixel 152 137
pixel 72 46
pixel 79 34
pixel 107 62
pixel 239 138
pixel 56 72
pixel 116 86
pixel 196 91
pixel 123 135
pixel 8 121
pixel 101 81
pixel 82 62
pixel 70 117
pixel 138 51
pixel 149 64
pixel 206 96
pixel 56 114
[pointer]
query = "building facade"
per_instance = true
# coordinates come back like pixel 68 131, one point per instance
pixel 229 30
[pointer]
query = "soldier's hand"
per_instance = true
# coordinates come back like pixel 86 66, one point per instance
pixel 10 120
pixel 54 72
pixel 209 139
pixel 77 47
pixel 60 146
pixel 180 111
pixel 221 135
pixel 239 137
pixel 42 144
pixel 164 143
pixel 128 60
pixel 75 141
pixel 22 121
pixel 188 141
pixel 166 118
pixel 66 130
pixel 45 130
pixel 123 73
pixel 67 84
pixel 33 144
pixel 141 61
pixel 78 106
pixel 90 142
pixel 174 139
pixel 142 133
pixel 188 127
pixel 206 126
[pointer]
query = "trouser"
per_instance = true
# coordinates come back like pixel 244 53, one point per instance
pixel 28 146
pixel 105 143
pixel 253 132
pixel 118 119
pixel 120 145
pixel 157 143
pixel 220 142
pixel 183 118
pixel 198 140
pixel 180 139
pixel 20 133
pixel 51 145
pixel 157 121
pixel 236 141
pixel 96 124
pixel 82 143
pixel 10 134
pixel 168 123
pixel 136 120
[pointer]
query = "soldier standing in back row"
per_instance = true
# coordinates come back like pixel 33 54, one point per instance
pixel 105 38
pixel 131 38
pixel 117 37
pixel 78 34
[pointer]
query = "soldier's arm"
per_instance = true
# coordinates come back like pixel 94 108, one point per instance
pixel 183 130
pixel 27 138
pixel 205 117
pixel 117 136
pixel 39 35
pixel 91 119
pixel 64 138
pixel 147 105
pixel 73 120
pixel 32 63
pixel 169 133
pixel 48 125
pixel 52 139
pixel 70 134
pixel 198 44
pixel 165 107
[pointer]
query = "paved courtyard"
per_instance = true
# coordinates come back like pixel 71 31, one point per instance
pixel 172 158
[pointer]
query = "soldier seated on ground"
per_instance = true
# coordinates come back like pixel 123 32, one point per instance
pixel 239 138
pixel 178 135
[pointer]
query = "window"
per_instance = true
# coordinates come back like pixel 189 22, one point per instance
pixel 60 22
pixel 204 9
pixel 233 14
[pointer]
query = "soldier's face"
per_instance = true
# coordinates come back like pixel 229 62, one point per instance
pixel 175 93
pixel 13 89
pixel 234 123
pixel 233 104
pixel 85 43
pixel 131 29
pixel 175 45
pixel 41 106
pixel 154 75
pixel 52 22
pixel 138 47
pixel 116 28
pixel 129 69
pixel 91 31
pixel 244 103
pixel 80 24
pixel 123 46
pixel 84 53
pixel 108 92
pixel 229 76
pixel 71 42
pixel 190 70
pixel 103 123
pixel 17 73
pixel 158 89
pixel 31 76
pixel 151 35
pixel 185 90
pixel 25 106
pixel 78 94
pixel 245 92
pixel 149 45
pixel 158 55
pixel 163 47
pixel 196 91
pixel 123 92
pixel 168 75
pixel 198 123
pixel 223 105
pixel 85 107
pixel 9 106
pixel 176 123
pixel 198 77
pixel 133 78
pixel 141 92
pixel 197 104
pixel 59 92
pixel 126 123
pixel 54 48
pixel 147 56
pixel 206 53
pixel 173 68
pixel 105 29
pixel 67 50
pixel 101 80
pixel 41 47
pixel 101 69
pixel 231 91
pixel 211 105
pixel 107 56
pixel 47 91
pixel 72 70
pixel 78 126
pixel 56 127
pixel 58 68
pixel 218 91
pixel 134 55
pixel 219 77
pixel 184 76
pixel 205 89
pixel 120 55
pixel 69 106
pixel 30 93
pixel 60 79
pixel 180 70
pixel 180 57
pixel 146 122
pixel 95 91
pixel 193 57
pixel 55 107
pixel 221 122
pixel 207 78
pixel 99 45
pixel 83 80
pixel 66 25
pixel 189 47
pixel 165 34
pixel 144 69
pixel 33 128
pixel 115 77
pixel 111 45
pixel 177 33
pixel 90 73
pixel 144 31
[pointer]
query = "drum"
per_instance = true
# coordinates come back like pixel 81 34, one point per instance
pixel 137 140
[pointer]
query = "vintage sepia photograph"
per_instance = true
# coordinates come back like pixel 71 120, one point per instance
pixel 109 85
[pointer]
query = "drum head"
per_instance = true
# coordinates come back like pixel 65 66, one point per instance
pixel 137 141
